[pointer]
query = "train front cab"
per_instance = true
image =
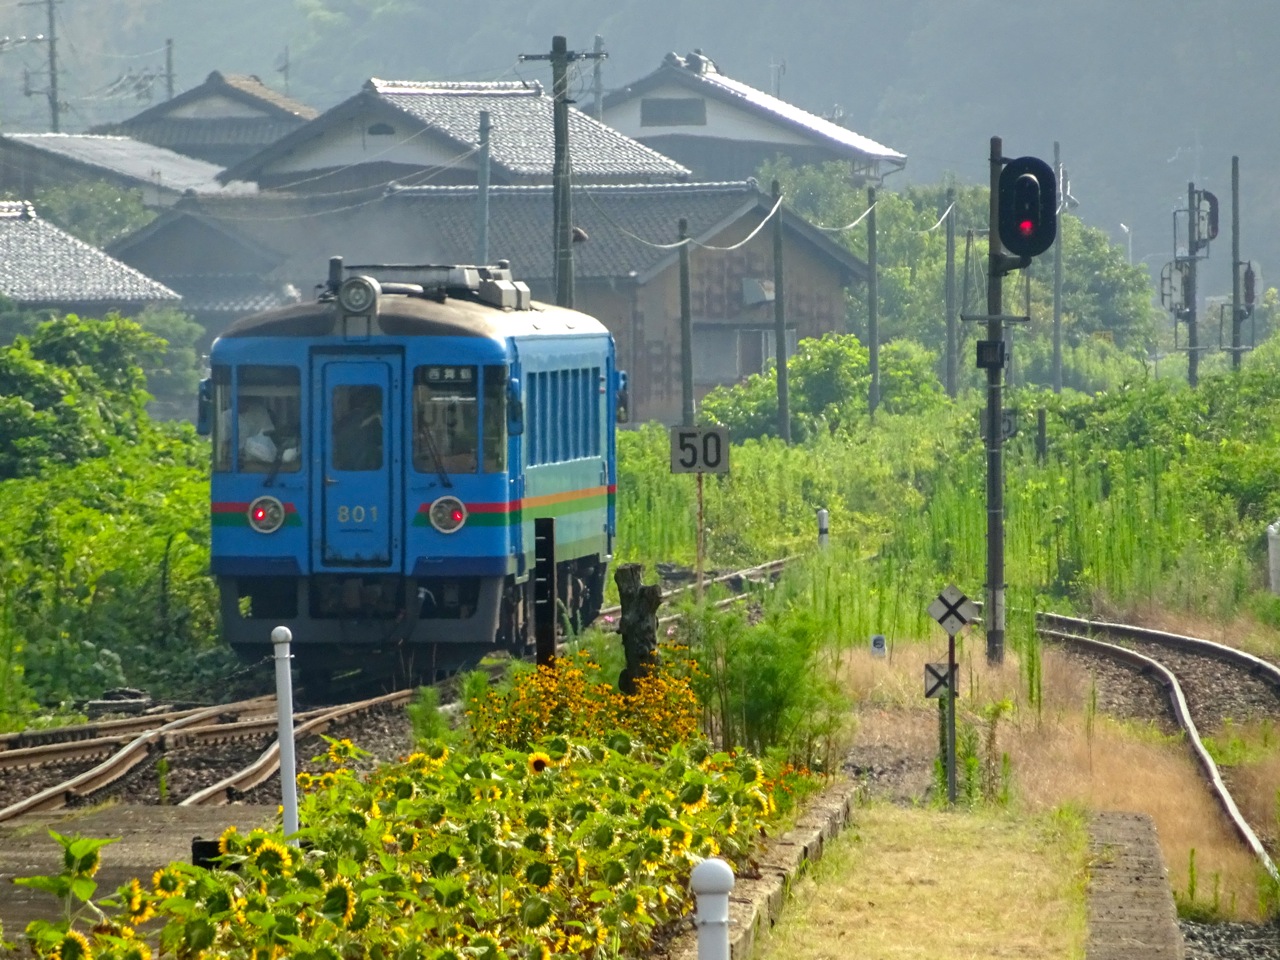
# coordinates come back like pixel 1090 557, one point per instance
pixel 383 523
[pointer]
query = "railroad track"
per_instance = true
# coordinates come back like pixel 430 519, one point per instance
pixel 99 763
pixel 1204 681
pixel 55 768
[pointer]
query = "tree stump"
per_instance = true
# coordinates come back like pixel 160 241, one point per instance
pixel 638 625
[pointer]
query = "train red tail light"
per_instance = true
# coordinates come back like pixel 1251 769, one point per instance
pixel 266 515
pixel 448 514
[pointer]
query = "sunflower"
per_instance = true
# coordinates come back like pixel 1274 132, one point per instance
pixel 339 901
pixel 72 946
pixel 273 859
pixel 137 907
pixel 539 761
pixel 168 882
pixel 228 840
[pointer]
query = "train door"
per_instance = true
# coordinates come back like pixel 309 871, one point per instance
pixel 359 477
pixel 516 425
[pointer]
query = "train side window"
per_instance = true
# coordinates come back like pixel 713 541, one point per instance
pixel 446 419
pixel 493 432
pixel 595 396
pixel 221 428
pixel 268 419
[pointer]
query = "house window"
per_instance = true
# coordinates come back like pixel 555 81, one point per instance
pixel 727 355
pixel 673 112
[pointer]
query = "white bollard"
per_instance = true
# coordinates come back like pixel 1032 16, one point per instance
pixel 282 637
pixel 712 882
pixel 822 527
pixel 1273 557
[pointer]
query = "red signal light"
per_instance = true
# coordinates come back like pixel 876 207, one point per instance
pixel 457 516
pixel 1026 227
pixel 259 514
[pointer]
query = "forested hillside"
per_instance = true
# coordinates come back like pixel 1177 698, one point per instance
pixel 1144 96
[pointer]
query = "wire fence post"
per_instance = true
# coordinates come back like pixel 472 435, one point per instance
pixel 281 637
pixel 712 881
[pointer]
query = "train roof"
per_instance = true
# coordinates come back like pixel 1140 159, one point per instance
pixel 419 316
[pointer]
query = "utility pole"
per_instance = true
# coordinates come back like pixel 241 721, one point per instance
pixel 993 615
pixel 561 56
pixel 686 328
pixel 1057 277
pixel 168 69
pixel 55 107
pixel 1189 287
pixel 482 192
pixel 951 292
pixel 873 304
pixel 597 77
pixel 780 323
pixel 1237 314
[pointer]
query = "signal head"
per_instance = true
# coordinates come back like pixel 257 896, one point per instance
pixel 1028 207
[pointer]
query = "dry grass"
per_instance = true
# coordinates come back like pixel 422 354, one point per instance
pixel 1058 760
pixel 907 884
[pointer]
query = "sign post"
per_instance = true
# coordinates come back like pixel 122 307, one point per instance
pixel 953 610
pixel 700 450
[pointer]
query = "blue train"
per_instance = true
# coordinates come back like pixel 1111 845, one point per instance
pixel 406 467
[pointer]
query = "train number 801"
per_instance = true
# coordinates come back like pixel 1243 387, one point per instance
pixel 357 514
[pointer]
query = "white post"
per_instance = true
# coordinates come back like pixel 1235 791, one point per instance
pixel 282 637
pixel 1273 557
pixel 712 881
pixel 822 527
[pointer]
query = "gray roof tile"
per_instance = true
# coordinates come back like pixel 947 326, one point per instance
pixel 134 160
pixel 700 73
pixel 522 140
pixel 41 264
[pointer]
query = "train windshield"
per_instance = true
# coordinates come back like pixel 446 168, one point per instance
pixel 446 435
pixel 268 418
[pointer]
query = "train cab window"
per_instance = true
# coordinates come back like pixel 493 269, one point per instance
pixel 494 429
pixel 357 427
pixel 268 419
pixel 222 434
pixel 446 434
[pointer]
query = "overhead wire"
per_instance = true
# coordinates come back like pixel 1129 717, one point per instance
pixel 417 180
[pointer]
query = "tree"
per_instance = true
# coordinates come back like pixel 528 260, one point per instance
pixel 94 211
pixel 1104 298
pixel 69 388
pixel 828 381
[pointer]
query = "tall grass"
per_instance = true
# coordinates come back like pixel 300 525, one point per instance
pixel 1105 521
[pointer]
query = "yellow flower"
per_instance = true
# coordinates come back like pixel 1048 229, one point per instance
pixel 136 906
pixel 539 761
pixel 73 946
pixel 273 859
pixel 168 881
pixel 227 841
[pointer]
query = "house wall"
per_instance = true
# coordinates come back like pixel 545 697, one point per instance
pixel 814 305
pixel 350 142
pixel 214 106
pixel 723 120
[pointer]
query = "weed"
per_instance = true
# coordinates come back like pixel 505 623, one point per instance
pixel 425 719
pixel 162 779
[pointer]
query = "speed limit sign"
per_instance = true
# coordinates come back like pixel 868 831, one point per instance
pixel 699 449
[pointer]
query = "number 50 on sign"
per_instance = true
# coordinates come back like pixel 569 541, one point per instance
pixel 699 449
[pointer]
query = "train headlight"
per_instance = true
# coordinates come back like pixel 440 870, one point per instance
pixel 266 514
pixel 358 294
pixel 448 514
